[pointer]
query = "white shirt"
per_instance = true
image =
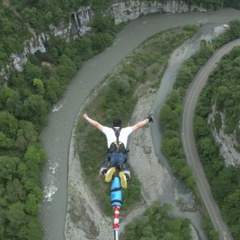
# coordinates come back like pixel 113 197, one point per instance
pixel 111 137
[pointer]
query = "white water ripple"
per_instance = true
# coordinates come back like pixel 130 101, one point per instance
pixel 49 191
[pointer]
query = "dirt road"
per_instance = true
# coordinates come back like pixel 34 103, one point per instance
pixel 189 140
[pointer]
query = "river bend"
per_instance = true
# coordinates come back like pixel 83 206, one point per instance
pixel 56 135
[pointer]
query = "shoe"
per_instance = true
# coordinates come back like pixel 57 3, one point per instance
pixel 123 180
pixel 127 176
pixel 150 118
pixel 103 172
pixel 109 174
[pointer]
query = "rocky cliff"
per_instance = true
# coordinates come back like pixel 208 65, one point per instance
pixel 123 11
pixel 120 11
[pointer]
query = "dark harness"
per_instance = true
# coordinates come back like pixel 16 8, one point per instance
pixel 117 146
pixel 117 153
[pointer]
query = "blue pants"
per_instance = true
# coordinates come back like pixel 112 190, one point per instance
pixel 118 160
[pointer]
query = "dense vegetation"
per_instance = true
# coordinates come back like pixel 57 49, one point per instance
pixel 24 104
pixel 147 63
pixel 28 96
pixel 20 18
pixel 148 226
pixel 221 91
pixel 218 90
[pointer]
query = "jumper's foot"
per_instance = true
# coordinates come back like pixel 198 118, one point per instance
pixel 123 180
pixel 109 174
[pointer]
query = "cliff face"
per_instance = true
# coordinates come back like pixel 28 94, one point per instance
pixel 123 11
pixel 227 142
pixel 77 27
pixel 120 11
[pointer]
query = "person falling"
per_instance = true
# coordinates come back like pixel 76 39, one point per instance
pixel 117 139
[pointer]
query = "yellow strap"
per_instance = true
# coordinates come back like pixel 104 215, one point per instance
pixel 118 144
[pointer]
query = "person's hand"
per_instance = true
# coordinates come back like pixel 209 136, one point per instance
pixel 85 115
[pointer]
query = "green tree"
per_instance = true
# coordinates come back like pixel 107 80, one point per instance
pixel 16 218
pixel 5 142
pixel 178 164
pixel 207 147
pixel 53 89
pixel 142 222
pixel 201 126
pixel 8 166
pixel 168 236
pixel 32 185
pixel 101 41
pixel 84 46
pixel 15 191
pixel 185 172
pixel 235 28
pixel 222 95
pixel 1 229
pixel 102 24
pixel 34 157
pixel 32 230
pixel 174 99
pixel 8 124
pixel 31 72
pixel 31 15
pixel 66 69
pixel 147 231
pixel 121 85
pixel 38 84
pixel 185 75
pixel 171 146
pixel 191 183
pixel 5 93
pixel 48 18
pixel 214 235
pixel 231 207
pixel 32 205
pixel 26 134
pixel 36 109
pixel 169 118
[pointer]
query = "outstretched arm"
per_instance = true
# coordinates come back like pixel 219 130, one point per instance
pixel 93 122
pixel 142 123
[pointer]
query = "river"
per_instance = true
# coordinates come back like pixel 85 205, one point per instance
pixel 56 135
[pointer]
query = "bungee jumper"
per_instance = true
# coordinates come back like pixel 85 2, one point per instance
pixel 117 139
pixel 115 166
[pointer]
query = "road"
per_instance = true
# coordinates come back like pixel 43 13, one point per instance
pixel 189 143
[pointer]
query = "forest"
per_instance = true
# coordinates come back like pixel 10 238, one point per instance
pixel 25 100
pixel 26 97
pixel 148 227
pixel 223 179
pixel 222 92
